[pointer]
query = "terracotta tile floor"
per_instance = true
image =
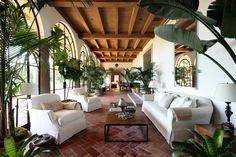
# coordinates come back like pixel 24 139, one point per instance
pixel 90 142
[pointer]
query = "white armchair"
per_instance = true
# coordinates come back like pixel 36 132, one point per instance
pixel 89 103
pixel 61 124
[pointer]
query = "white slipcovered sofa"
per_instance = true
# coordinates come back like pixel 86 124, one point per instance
pixel 173 114
pixel 89 103
pixel 62 122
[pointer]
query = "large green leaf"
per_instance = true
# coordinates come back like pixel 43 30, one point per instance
pixel 218 137
pixel 10 146
pixel 224 12
pixel 211 147
pixel 170 9
pixel 185 37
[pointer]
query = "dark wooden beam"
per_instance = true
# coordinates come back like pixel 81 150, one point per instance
pixel 117 57
pixel 96 3
pixel 114 36
pixel 115 50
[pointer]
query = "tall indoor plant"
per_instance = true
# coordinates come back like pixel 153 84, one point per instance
pixel 15 49
pixel 221 14
pixel 145 76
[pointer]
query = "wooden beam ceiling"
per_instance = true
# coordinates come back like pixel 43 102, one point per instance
pixel 115 50
pixel 96 3
pixel 111 28
pixel 87 36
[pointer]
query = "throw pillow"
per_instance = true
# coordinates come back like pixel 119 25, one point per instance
pixel 69 105
pixel 166 100
pixel 53 105
pixel 178 102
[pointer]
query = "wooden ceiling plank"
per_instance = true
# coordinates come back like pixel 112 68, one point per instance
pixel 131 23
pixel 117 57
pixel 84 23
pixel 114 49
pixel 97 3
pixel 87 36
pixel 145 27
pixel 101 24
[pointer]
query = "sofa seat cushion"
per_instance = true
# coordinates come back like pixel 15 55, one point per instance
pixel 66 116
pixel 157 111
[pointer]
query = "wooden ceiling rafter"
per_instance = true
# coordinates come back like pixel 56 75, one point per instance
pixel 101 24
pixel 115 49
pixel 85 25
pixel 116 57
pixel 131 23
pixel 96 3
pixel 116 11
pixel 145 27
pixel 90 36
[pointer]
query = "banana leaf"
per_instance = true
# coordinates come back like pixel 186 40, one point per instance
pixel 185 37
pixel 224 12
pixel 165 8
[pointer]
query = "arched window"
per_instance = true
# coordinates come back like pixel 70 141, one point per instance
pixel 184 71
pixel 67 40
pixel 56 80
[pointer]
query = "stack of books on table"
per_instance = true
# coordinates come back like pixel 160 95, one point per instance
pixel 130 109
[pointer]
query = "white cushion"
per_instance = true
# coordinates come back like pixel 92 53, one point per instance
pixel 166 100
pixel 178 102
pixel 66 116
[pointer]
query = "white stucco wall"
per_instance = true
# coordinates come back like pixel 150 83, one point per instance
pixel 49 17
pixel 209 74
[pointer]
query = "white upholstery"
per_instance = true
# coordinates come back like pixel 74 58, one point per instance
pixel 88 103
pixel 61 124
pixel 165 121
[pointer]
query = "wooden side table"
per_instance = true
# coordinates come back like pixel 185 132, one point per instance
pixel 209 129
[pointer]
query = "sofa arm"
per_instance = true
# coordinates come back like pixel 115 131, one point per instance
pixel 43 121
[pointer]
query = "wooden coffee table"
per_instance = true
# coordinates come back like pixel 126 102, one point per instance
pixel 113 120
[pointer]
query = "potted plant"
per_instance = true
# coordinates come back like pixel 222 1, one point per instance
pixel 92 74
pixel 131 76
pixel 67 67
pixel 220 14
pixel 98 79
pixel 145 76
pixel 205 146
pixel 14 50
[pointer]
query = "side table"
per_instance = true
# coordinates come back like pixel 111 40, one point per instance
pixel 209 129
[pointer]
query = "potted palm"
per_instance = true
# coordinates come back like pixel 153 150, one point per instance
pixel 98 79
pixel 15 48
pixel 131 76
pixel 145 76
pixel 220 14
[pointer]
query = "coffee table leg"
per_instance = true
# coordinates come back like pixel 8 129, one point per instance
pixel 106 132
